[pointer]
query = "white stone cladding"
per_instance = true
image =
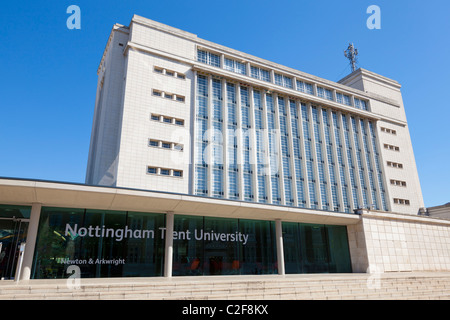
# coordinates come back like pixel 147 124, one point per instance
pixel 120 153
pixel 393 116
pixel 137 128
pixel 106 127
pixel 395 242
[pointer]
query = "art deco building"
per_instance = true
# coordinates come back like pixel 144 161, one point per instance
pixel 178 113
pixel 205 160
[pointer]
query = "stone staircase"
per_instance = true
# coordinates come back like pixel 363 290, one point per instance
pixel 394 286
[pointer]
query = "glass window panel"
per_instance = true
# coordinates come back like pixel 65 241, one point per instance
pixel 258 255
pixel 292 249
pixel 7 211
pixel 188 257
pixel 310 248
pixel 102 243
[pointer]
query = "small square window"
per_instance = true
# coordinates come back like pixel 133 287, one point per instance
pixel 157 93
pixel 153 143
pixel 177 173
pixel 165 172
pixel 155 117
pixel 158 70
pixel 179 122
pixel 166 145
pixel 170 73
pixel 180 98
pixel 152 170
pixel 167 120
pixel 181 76
pixel 168 96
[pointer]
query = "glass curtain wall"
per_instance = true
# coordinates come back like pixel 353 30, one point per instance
pixel 220 246
pixel 100 243
pixel 131 244
pixel 310 248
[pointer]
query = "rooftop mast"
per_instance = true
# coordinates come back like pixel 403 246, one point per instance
pixel 351 54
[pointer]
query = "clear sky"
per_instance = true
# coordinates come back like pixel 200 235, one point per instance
pixel 48 72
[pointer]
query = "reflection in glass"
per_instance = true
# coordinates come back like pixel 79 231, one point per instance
pixel 219 246
pixel 101 243
pixel 310 248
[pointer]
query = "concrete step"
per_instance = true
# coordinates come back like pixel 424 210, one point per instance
pixel 237 288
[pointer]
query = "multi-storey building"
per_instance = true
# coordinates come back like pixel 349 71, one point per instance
pixel 205 160
pixel 178 113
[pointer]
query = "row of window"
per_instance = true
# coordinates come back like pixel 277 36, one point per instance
pixel 165 145
pixel 401 201
pixel 241 67
pixel 394 165
pixel 165 171
pixel 169 73
pixel 391 147
pixel 398 183
pixel 166 119
pixel 310 152
pixel 167 95
pixel 393 182
pixel 391 131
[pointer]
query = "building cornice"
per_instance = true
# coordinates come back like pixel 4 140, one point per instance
pixel 268 85
pixel 232 53
pixel 71 195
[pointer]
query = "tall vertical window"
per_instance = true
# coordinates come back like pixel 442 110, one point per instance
pixel 217 142
pixel 233 181
pixel 372 185
pixel 296 146
pixel 285 154
pixel 309 158
pixel 331 160
pixel 260 149
pixel 349 150
pixel 379 172
pixel 359 161
pixel 246 149
pixel 201 141
pixel 273 150
pixel 320 159
pixel 341 162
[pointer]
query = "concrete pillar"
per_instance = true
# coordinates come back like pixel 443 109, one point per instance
pixel 31 241
pixel 280 250
pixel 168 258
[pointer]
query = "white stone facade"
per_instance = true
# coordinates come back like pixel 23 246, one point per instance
pixel 140 97
pixel 392 243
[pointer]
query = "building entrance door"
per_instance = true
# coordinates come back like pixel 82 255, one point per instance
pixel 13 232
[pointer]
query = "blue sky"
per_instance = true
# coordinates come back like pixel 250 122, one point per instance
pixel 49 79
